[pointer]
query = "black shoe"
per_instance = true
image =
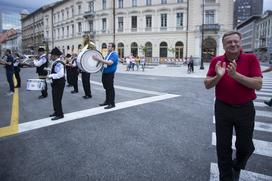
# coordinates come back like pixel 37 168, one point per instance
pixel 268 103
pixel 57 117
pixel 109 106
pixel 103 104
pixel 42 96
pixel 87 97
pixel 236 174
pixel 52 115
pixel 69 85
pixel 74 92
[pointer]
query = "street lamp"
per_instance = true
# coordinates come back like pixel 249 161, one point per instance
pixel 202 37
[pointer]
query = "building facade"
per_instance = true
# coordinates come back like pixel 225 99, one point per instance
pixel 263 37
pixel 151 28
pixel 248 29
pixel 244 9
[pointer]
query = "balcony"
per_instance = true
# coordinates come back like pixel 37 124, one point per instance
pixel 89 14
pixel 210 27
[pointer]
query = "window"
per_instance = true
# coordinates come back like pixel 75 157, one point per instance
pixel 148 21
pixel 62 14
pixel 67 31
pixel 148 52
pixel 62 32
pixel 163 49
pixel 134 49
pixel 67 13
pixel 73 30
pixel 91 25
pixel 163 20
pixel 148 3
pixel 91 6
pixel 104 2
pixel 58 33
pixel 163 1
pixel 120 23
pixel 134 3
pixel 72 8
pixel 210 1
pixel 104 24
pixel 179 19
pixel 121 4
pixel 179 1
pixel 79 27
pixel 79 9
pixel 134 22
pixel 209 17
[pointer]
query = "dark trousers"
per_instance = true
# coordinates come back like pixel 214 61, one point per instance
pixel 9 74
pixel 241 117
pixel 86 83
pixel 17 76
pixel 74 79
pixel 108 80
pixel 57 92
pixel 44 91
pixel 68 75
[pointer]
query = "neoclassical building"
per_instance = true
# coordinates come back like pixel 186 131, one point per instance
pixel 151 28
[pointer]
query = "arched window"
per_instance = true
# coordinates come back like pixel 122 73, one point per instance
pixel 120 48
pixel 179 49
pixel 134 49
pixel 148 47
pixel 209 49
pixel 163 49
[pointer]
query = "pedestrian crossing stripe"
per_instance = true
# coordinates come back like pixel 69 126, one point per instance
pixel 263 98
pixel 261 147
pixel 264 93
pixel 265 90
pixel 264 113
pixel 259 126
pixel 259 104
pixel 244 175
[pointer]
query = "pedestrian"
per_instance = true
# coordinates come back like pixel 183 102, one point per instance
pixel 58 82
pixel 74 74
pixel 235 76
pixel 110 62
pixel 68 61
pixel 17 69
pixel 269 103
pixel 41 65
pixel 143 63
pixel 8 61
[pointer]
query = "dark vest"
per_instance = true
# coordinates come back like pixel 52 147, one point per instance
pixel 53 71
pixel 40 70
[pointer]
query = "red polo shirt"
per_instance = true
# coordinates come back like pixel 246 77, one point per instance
pixel 229 90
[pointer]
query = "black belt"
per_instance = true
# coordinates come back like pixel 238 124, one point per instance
pixel 236 105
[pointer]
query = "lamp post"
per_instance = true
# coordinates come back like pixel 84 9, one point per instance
pixel 202 37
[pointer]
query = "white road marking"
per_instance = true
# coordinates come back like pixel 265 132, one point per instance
pixel 36 124
pixel 261 147
pixel 244 176
pixel 259 104
pixel 263 98
pixel 264 93
pixel 131 89
pixel 264 113
pixel 259 126
pixel 266 90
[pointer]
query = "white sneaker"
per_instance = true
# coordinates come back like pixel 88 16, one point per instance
pixel 10 93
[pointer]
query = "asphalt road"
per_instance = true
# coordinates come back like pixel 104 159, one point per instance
pixel 149 136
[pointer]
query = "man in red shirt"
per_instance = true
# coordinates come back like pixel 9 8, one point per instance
pixel 235 76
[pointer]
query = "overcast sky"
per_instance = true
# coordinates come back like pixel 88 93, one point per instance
pixel 31 5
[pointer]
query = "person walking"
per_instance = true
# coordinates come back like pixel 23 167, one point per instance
pixel 58 82
pixel 269 69
pixel 17 69
pixel 235 76
pixel 8 61
pixel 110 62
